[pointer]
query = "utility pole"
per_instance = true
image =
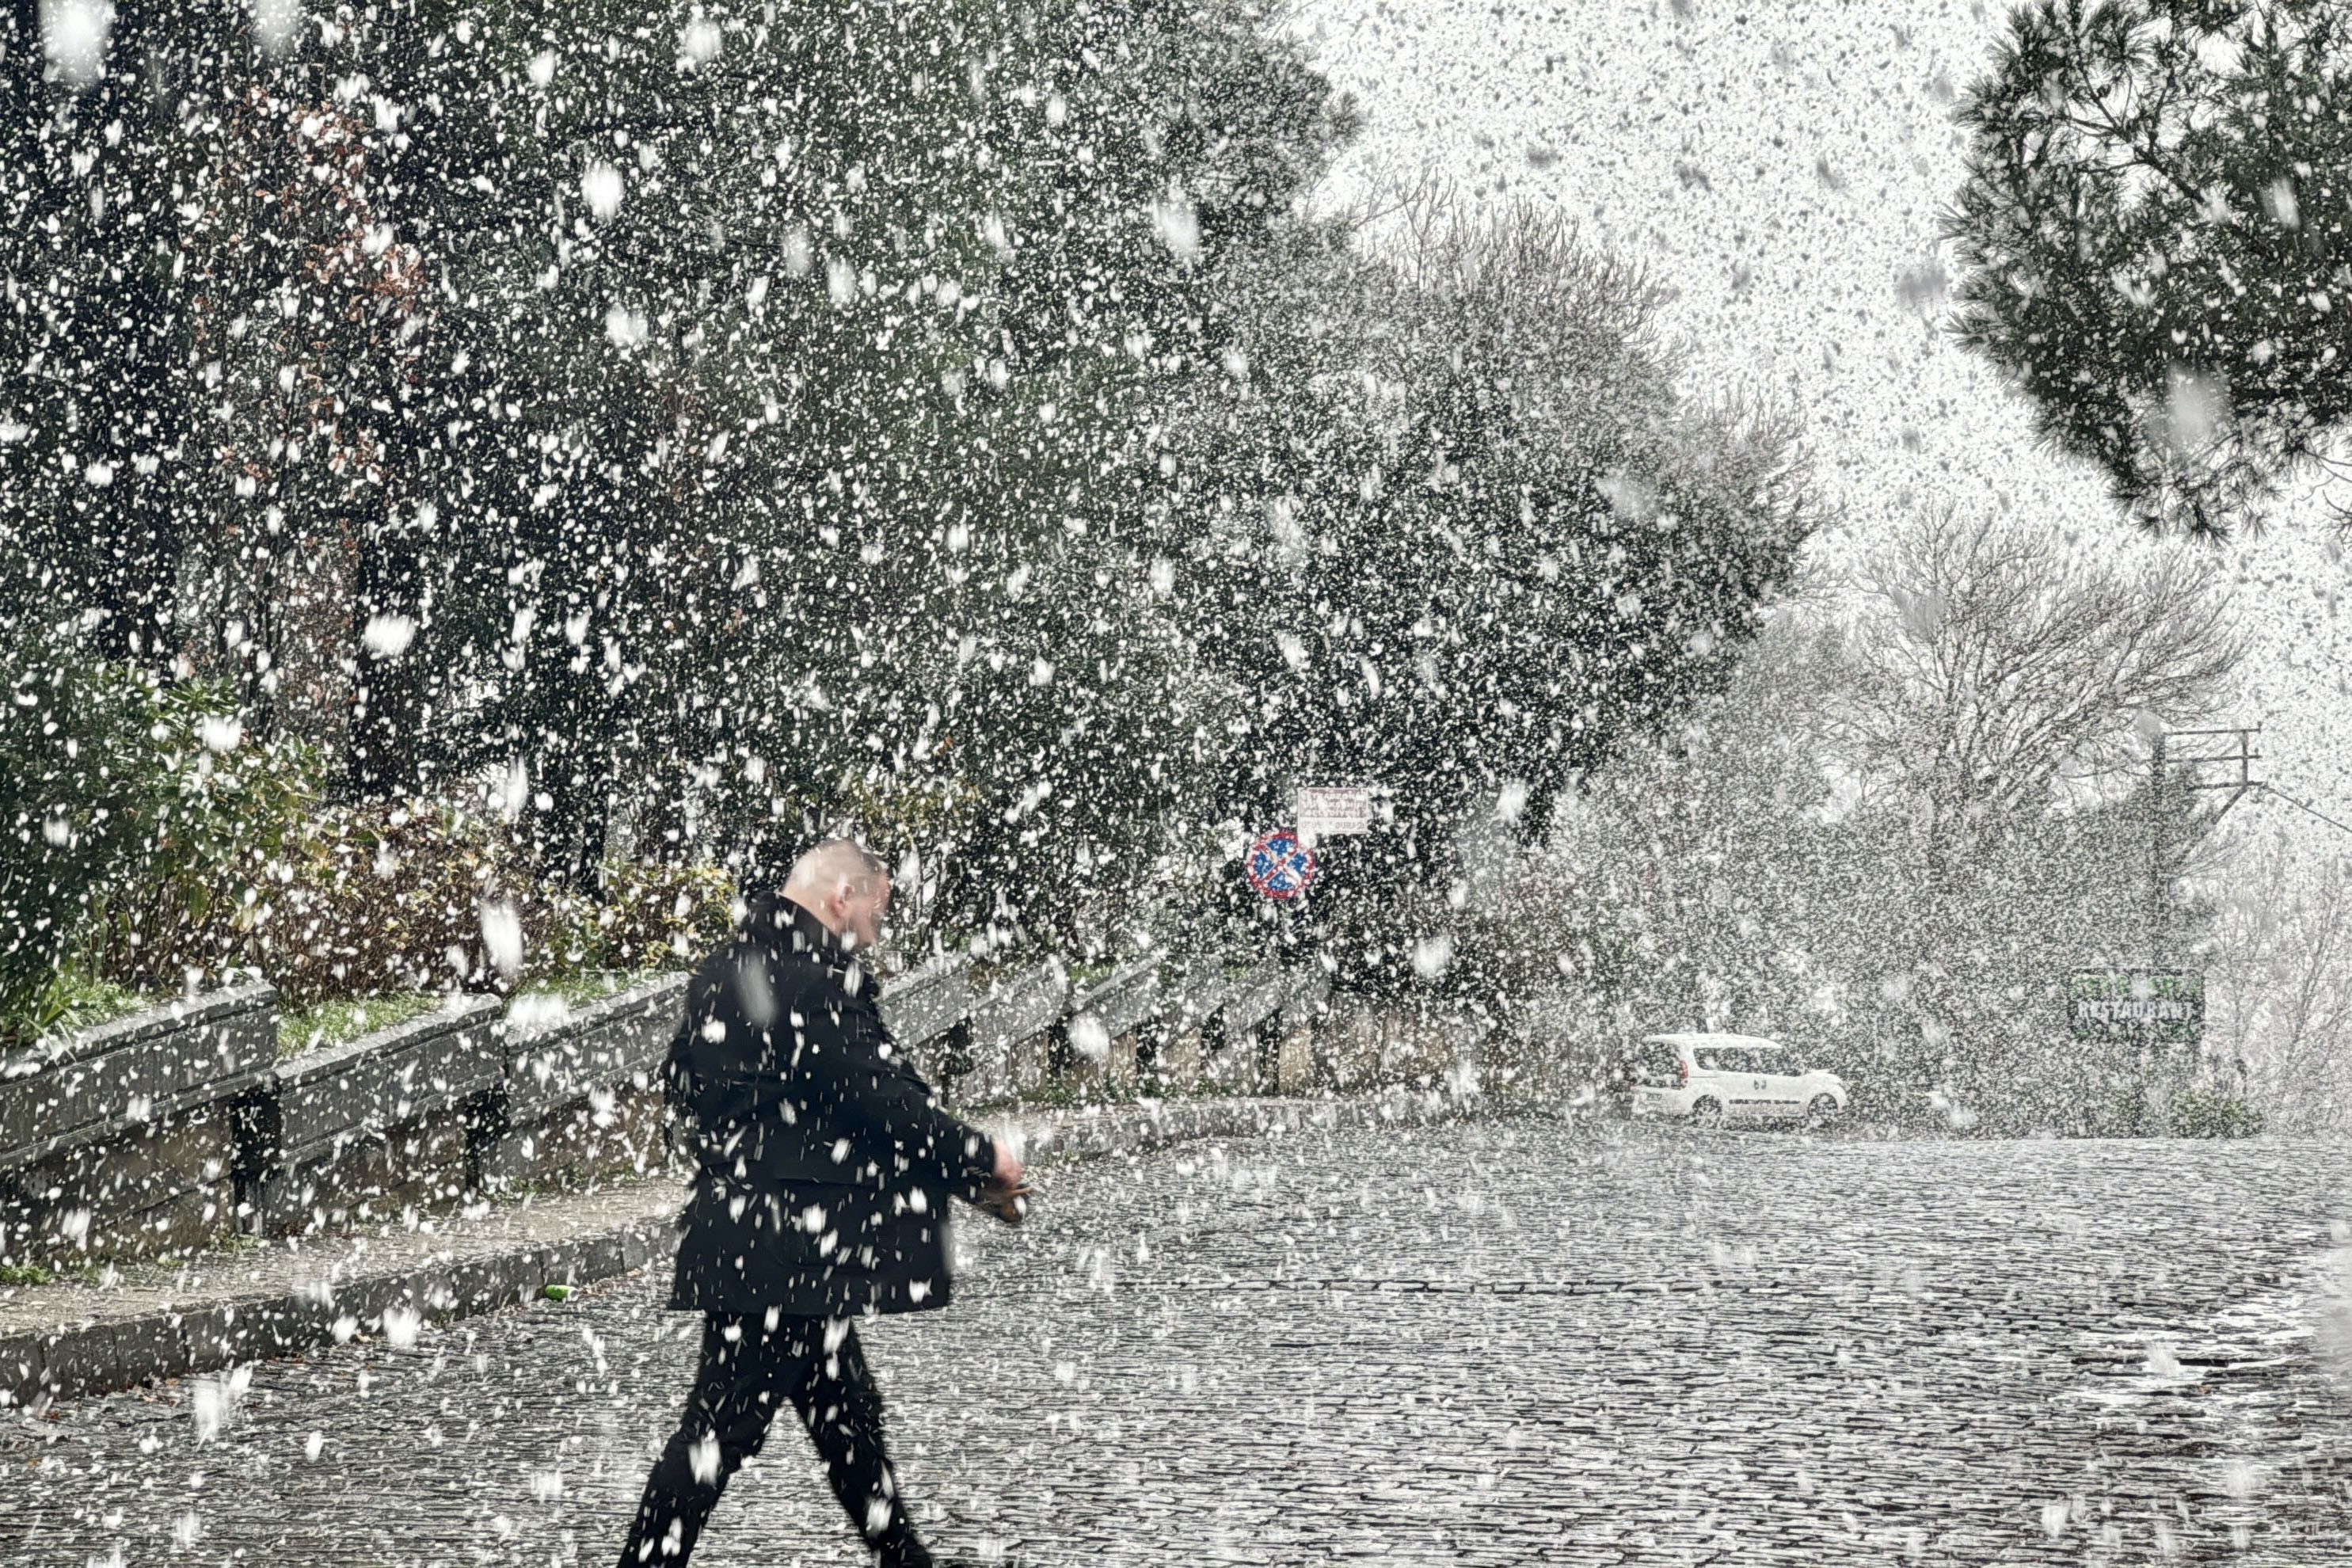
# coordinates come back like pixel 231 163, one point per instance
pixel 2221 759
pixel 2230 754
pixel 2159 876
pixel 2224 749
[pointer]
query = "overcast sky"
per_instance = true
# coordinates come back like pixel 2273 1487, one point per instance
pixel 1784 167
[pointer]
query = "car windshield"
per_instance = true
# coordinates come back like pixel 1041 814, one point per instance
pixel 1656 1065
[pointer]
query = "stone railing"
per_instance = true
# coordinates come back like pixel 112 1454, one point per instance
pixel 1190 1050
pixel 1012 1027
pixel 929 1015
pixel 1156 1026
pixel 1108 1033
pixel 156 1134
pixel 1363 1045
pixel 582 1096
pixel 119 1140
pixel 373 1125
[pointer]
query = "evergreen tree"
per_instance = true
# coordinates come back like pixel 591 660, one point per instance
pixel 2156 232
pixel 734 413
pixel 1454 532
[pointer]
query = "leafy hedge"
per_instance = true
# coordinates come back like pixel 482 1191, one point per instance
pixel 151 839
pixel 74 777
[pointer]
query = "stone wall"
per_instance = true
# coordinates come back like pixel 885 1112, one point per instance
pixel 119 1140
pixel 154 1134
pixel 1109 1035
pixel 581 1094
pixel 1157 1027
pixel 1192 993
pixel 1364 1044
pixel 1013 1026
pixel 928 1014
pixel 373 1125
pixel 1249 1061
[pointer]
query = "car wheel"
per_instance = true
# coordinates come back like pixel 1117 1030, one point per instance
pixel 1707 1113
pixel 1821 1111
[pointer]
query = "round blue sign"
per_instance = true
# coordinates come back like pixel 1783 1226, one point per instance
pixel 1280 866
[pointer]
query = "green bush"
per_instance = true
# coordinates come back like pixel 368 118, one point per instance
pixel 80 1000
pixel 227 817
pixel 346 902
pixel 149 835
pixel 2211 1114
pixel 648 916
pixel 376 900
pixel 390 898
pixel 75 749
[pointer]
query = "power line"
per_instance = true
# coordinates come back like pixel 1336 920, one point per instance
pixel 2309 809
pixel 2242 757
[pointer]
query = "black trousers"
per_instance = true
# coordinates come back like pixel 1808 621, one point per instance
pixel 752 1365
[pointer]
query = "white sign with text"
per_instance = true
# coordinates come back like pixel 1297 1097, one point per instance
pixel 1328 811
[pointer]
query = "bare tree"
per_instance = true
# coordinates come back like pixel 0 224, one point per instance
pixel 2001 666
pixel 1885 837
pixel 2282 986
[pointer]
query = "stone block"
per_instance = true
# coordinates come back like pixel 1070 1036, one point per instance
pixel 151 1188
pixel 1293 1070
pixel 1123 1001
pixel 1116 1072
pixel 1192 991
pixel 1351 1046
pixel 582 1097
pixel 1111 1029
pixel 1023 1005
pixel 341 1136
pixel 1238 1061
pixel 1252 997
pixel 1307 995
pixel 1027 1065
pixel 556 1062
pixel 1011 1035
pixel 1179 1068
pixel 91 1085
pixel 365 1175
pixel 927 1004
pixel 426 1069
pixel 612 1131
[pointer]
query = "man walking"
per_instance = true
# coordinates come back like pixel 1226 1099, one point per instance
pixel 823 1169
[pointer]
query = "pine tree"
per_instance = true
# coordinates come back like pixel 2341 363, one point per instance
pixel 2156 234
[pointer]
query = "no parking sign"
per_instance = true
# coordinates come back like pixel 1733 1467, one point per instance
pixel 1278 865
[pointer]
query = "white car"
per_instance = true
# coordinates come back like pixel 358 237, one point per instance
pixel 1713 1078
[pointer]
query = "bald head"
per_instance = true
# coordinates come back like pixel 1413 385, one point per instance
pixel 845 886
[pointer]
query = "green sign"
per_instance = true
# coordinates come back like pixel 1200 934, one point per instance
pixel 2159 1007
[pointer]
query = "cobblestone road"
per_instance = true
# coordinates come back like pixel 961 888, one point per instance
pixel 1495 1344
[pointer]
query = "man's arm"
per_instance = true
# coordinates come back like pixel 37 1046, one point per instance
pixel 892 1115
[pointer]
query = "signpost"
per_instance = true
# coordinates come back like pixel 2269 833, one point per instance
pixel 1330 811
pixel 2161 1007
pixel 1280 866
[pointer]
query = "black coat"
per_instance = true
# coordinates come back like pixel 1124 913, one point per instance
pixel 824 1161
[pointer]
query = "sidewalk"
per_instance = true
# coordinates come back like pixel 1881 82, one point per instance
pixel 253 1298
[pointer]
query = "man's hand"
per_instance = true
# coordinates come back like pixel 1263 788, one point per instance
pixel 1007 1193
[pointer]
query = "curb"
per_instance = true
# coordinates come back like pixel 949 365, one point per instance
pixel 101 1357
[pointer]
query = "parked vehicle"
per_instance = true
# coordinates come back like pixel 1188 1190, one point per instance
pixel 1712 1079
